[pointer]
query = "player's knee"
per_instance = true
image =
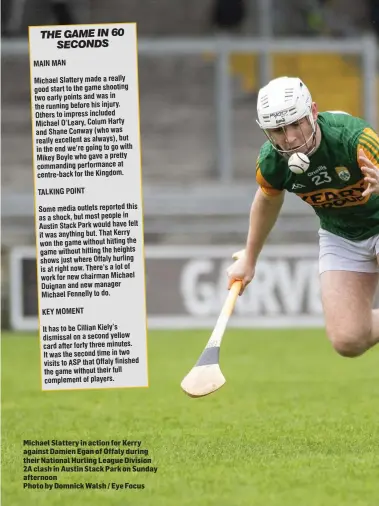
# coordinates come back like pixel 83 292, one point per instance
pixel 349 344
pixel 348 349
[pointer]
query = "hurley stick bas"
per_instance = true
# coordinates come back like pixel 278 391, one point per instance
pixel 206 376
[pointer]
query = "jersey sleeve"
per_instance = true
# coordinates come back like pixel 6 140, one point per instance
pixel 368 141
pixel 267 188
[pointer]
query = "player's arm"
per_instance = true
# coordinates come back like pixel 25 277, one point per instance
pixel 264 212
pixel 367 149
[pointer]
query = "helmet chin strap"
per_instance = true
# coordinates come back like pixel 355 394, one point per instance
pixel 311 139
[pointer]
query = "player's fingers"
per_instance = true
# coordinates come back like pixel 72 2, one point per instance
pixel 364 159
pixel 371 168
pixel 367 191
pixel 370 175
pixel 370 171
pixel 371 180
pixel 242 289
pixel 368 165
pixel 245 282
pixel 231 280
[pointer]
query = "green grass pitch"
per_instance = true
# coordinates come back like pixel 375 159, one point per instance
pixel 295 424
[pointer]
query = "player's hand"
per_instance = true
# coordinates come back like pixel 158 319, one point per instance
pixel 371 173
pixel 240 271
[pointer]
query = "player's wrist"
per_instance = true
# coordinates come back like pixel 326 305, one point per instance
pixel 251 255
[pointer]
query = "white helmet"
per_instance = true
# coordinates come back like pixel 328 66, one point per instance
pixel 281 102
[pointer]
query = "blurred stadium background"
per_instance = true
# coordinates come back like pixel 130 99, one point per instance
pixel 200 66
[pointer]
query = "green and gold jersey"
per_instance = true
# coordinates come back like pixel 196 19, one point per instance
pixel 334 182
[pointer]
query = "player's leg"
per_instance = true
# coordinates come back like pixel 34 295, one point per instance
pixel 349 277
pixel 347 298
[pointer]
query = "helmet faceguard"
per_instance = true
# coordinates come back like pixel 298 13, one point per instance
pixel 286 101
